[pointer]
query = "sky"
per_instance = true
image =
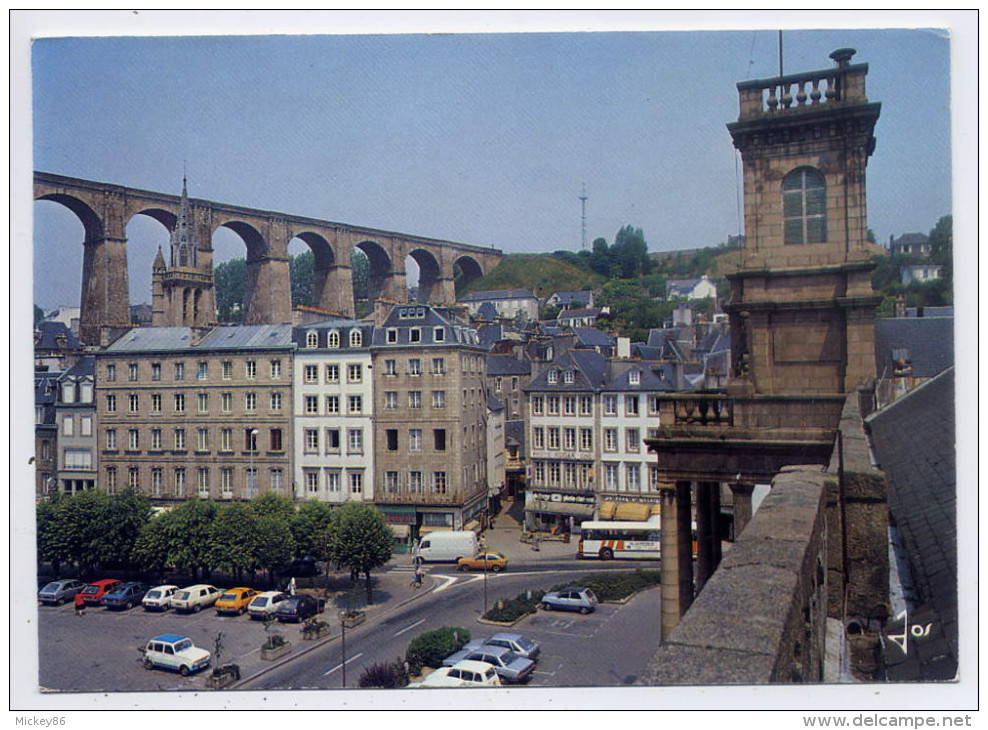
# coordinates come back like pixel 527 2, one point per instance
pixel 481 138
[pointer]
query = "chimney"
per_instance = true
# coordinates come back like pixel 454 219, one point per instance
pixel 624 347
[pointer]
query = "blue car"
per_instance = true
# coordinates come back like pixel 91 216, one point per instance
pixel 126 595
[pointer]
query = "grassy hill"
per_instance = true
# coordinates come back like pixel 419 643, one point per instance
pixel 542 274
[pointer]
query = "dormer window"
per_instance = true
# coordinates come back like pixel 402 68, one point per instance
pixel 438 334
pixel 634 377
pixel 356 338
pixel 392 335
pixel 414 335
pixel 333 341
pixel 553 376
pixel 311 340
pixel 568 376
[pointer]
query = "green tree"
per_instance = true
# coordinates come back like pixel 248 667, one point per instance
pixel 81 525
pixel 360 274
pixel 272 504
pixel 601 259
pixel 189 536
pixel 229 280
pixel 153 545
pixel 630 253
pixel 309 522
pixel 942 247
pixel 233 538
pixel 358 538
pixel 50 541
pixel 300 271
pixel 123 517
pixel 274 545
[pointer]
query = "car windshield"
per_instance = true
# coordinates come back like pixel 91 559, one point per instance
pixel 229 597
pixel 154 594
pixel 183 645
pixel 51 587
pixel 91 589
pixel 525 644
pixel 183 596
pixel 260 602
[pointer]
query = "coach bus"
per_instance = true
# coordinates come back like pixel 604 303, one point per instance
pixel 623 539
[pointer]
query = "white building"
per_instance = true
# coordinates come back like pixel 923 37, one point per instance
pixel 333 408
pixel 508 302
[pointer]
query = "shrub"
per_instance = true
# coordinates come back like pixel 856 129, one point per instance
pixel 614 586
pixel 507 610
pixel 274 641
pixel 429 649
pixel 384 675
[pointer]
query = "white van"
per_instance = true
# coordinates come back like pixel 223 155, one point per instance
pixel 447 547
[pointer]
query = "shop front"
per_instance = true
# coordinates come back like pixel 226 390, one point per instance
pixel 557 512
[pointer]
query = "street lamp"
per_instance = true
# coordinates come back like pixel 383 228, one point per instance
pixel 251 475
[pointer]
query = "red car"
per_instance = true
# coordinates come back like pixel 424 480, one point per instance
pixel 92 595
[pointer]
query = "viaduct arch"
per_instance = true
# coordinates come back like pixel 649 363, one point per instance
pixel 105 209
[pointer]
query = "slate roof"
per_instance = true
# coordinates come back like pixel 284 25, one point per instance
pixel 590 372
pixel 487 310
pixel 575 313
pixel 514 430
pixel 507 365
pixel 567 298
pixel 592 337
pixel 426 322
pixel 913 441
pixel 648 379
pixel 484 296
pixel 48 333
pixel 930 342
pixel 494 404
pixel 85 367
pixel 645 352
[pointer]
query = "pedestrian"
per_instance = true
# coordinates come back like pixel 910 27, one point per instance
pixel 419 574
pixel 291 586
pixel 535 542
pixel 80 605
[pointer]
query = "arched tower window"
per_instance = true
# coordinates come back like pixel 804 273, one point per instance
pixel 804 206
pixel 355 338
pixel 311 340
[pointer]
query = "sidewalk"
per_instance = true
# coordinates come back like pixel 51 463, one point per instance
pixel 505 538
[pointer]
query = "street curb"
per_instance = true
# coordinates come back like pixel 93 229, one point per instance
pixel 318 644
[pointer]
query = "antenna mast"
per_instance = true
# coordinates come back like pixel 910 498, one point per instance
pixel 583 217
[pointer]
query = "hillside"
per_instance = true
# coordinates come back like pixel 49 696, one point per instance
pixel 542 274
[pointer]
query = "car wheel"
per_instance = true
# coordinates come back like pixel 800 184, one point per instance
pixel 148 664
pixel 497 568
pixel 546 606
pixel 463 567
pixel 606 554
pixel 243 610
pixel 584 610
pixel 184 671
pixel 196 608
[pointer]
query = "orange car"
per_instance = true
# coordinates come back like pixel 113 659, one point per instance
pixel 487 560
pixel 234 600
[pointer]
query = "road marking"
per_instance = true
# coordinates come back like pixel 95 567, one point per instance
pixel 340 665
pixel 449 580
pixel 409 628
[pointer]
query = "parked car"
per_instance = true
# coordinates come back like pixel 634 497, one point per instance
pixel 572 598
pixel 194 598
pixel 59 591
pixel 487 560
pixel 92 594
pixel 462 674
pixel 176 652
pixel 265 604
pixel 298 608
pixel 301 568
pixel 509 666
pixel 126 595
pixel 234 600
pixel 516 642
pixel 159 598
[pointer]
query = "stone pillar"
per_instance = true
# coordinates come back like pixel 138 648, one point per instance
pixel 332 290
pixel 684 537
pixel 741 492
pixel 268 295
pixel 704 536
pixel 445 290
pixel 395 286
pixel 716 535
pixel 677 558
pixel 105 288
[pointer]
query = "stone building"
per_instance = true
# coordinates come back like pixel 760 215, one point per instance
pixel 45 432
pixel 508 303
pixel 333 410
pixel 75 417
pixel 430 404
pixel 182 416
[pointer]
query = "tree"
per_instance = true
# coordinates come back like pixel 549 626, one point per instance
pixel 300 271
pixel 153 545
pixel 630 253
pixel 233 538
pixel 50 543
pixel 942 247
pixel 123 516
pixel 189 536
pixel 272 504
pixel 229 279
pixel 309 522
pixel 274 546
pixel 358 538
pixel 81 527
pixel 601 259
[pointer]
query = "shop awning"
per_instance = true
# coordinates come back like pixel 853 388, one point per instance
pixel 561 508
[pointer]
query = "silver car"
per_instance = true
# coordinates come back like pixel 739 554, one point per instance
pixel 571 598
pixel 59 591
pixel 509 666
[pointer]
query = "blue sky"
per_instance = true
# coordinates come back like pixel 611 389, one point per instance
pixel 480 138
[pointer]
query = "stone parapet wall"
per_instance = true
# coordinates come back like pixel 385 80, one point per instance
pixel 761 617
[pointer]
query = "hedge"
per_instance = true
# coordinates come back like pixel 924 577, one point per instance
pixel 429 649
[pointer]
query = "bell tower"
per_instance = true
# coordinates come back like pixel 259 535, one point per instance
pixel 802 307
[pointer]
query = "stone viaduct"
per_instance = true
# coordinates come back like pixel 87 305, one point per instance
pixel 105 210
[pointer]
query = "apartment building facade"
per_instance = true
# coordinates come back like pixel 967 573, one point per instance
pixel 333 411
pixel 430 406
pixel 182 414
pixel 75 418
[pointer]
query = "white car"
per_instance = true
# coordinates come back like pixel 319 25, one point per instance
pixel 265 604
pixel 176 652
pixel 159 598
pixel 195 598
pixel 468 673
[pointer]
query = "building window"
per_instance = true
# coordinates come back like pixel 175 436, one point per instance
pixel 311 440
pixel 202 439
pixel 391 438
pixel 333 340
pixel 610 439
pixel 653 478
pixel 390 367
pixel 438 366
pixel 553 405
pixel 391 481
pixel 439 438
pixel 414 334
pixel 132 372
pixel 226 482
pixel 414 366
pixel 390 400
pixel 68 426
pixel 332 404
pixel 202 371
pixel 251 482
pixel 569 405
pixel 226 439
pixel 356 403
pixel 356 482
pixel 438 334
pixel 653 405
pixel 226 402
pixel 180 371
pixel 332 440
pixel 134 477
pixel 311 340
pixel 275 401
pixel 68 392
pixel 203 402
pixel 392 336
pixel 227 370
pixel 180 481
pixel 250 369
pixel 277 479
pixel 415 482
pixel 86 393
pixel 355 441
pixel 250 401
pixel 312 404
pixel 156 439
pixel 553 432
pixel 569 439
pixel 133 439
pixel 631 405
pixel 250 440
pixel 586 439
pixel 111 403
pixel 497 385
pixel 333 480
pixel 356 338
pixel 415 399
pixel 439 399
pixel 310 374
pixel 111 479
pixel 632 440
pixel 332 373
pixel 634 377
pixel 111 373
pixel 569 377
pixel 156 403
pixel 354 373
pixel 552 377
pixel 538 405
pixel 553 473
pixel 134 402
pixel 804 206
pixel 180 402
pixel 439 482
pixel 156 480
pixel 538 437
pixel 611 476
pixel 275 369
pixel 610 405
pixel 633 474
pixel 415 439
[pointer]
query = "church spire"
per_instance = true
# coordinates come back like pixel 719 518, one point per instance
pixel 185 242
